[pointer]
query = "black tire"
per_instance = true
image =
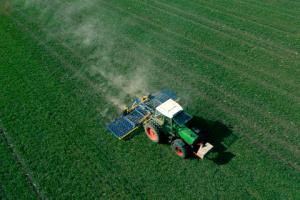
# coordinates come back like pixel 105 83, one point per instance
pixel 180 148
pixel 153 132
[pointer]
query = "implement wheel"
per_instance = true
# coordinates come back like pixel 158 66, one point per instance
pixel 153 132
pixel 180 148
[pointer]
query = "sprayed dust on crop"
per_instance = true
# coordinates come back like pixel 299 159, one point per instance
pixel 75 23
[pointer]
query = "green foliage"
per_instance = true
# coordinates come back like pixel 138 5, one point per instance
pixel 13 182
pixel 235 63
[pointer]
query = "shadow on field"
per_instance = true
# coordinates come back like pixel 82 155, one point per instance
pixel 220 136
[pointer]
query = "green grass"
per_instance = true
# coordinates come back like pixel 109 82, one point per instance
pixel 232 62
pixel 13 183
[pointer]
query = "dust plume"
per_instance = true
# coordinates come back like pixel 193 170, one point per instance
pixel 82 27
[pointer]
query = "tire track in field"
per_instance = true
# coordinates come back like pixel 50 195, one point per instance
pixel 31 181
pixel 282 12
pixel 2 193
pixel 251 194
pixel 254 79
pixel 222 28
pixel 229 12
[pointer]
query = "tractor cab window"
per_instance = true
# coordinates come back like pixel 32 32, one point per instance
pixel 182 118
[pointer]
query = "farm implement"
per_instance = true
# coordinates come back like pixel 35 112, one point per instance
pixel 164 120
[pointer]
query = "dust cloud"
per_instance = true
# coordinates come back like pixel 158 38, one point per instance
pixel 81 26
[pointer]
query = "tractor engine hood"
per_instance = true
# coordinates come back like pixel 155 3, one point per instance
pixel 187 135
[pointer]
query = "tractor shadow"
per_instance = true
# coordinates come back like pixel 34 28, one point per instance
pixel 220 136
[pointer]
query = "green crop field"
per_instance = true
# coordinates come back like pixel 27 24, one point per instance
pixel 67 68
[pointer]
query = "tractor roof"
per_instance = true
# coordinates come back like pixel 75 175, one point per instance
pixel 169 108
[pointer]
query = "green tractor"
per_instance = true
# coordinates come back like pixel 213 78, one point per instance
pixel 172 124
pixel 164 120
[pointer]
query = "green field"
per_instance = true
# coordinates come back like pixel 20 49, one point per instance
pixel 68 67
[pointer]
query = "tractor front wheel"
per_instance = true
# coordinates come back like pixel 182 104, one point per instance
pixel 153 133
pixel 180 148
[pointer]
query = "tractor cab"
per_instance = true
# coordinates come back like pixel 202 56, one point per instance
pixel 165 112
pixel 171 113
pixel 170 116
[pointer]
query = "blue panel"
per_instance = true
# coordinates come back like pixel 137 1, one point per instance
pixel 135 116
pixel 121 127
pixel 125 124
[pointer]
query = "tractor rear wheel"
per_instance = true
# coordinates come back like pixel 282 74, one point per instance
pixel 153 133
pixel 180 148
